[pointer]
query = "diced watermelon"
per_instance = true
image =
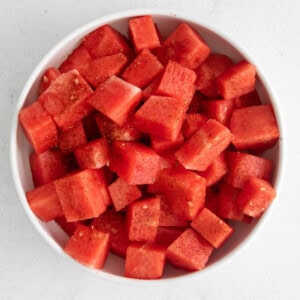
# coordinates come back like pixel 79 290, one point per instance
pixel 228 205
pixel 151 88
pixel 116 99
pixel 143 69
pixel 114 224
pixel 145 261
pixel 65 99
pixel 44 202
pixel 220 109
pixel 68 227
pixel 249 99
pixel 142 218
pixel 254 127
pixel 88 246
pixel 167 235
pixel 208 71
pixel 192 123
pixel 177 81
pixel 72 138
pixel 212 199
pixel 122 193
pixel 98 70
pixel 161 117
pixel 216 170
pixel 134 162
pixel 184 190
pixel 189 251
pixel 90 126
pixel 168 160
pixel 111 131
pixel 48 166
pixel 211 227
pixel 79 202
pixel 204 146
pixel 161 145
pixel 105 40
pixel 38 127
pixel 167 217
pixel 162 54
pixel 49 75
pixel 242 166
pixel 92 155
pixel 143 33
pixel 255 197
pixel 76 60
pixel 194 106
pixel 237 80
pixel 186 47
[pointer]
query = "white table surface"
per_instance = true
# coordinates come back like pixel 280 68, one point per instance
pixel 268 268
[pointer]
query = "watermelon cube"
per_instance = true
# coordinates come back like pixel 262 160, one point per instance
pixel 204 146
pixel 76 60
pixel 115 224
pixel 167 217
pixel 162 146
pixel 211 227
pixel 193 122
pixel 145 261
pixel 68 227
pixel 134 162
pixel 92 155
pixel 44 202
pixel 151 88
pixel 215 171
pixel 186 47
pixel 142 218
pixel 177 81
pixel 161 117
pixel 219 109
pixel 72 138
pixel 249 99
pixel 254 127
pixel 237 80
pixel 242 166
pixel 255 197
pixel 143 69
pixel 88 246
pixel 122 193
pixel 194 106
pixel 189 251
pixel 99 69
pixel 111 131
pixel 184 191
pixel 47 78
pixel 212 199
pixel 228 205
pixel 65 99
pixel 143 33
pixel 48 166
pixel 116 99
pixel 208 71
pixel 90 126
pixel 105 41
pixel 38 127
pixel 167 235
pixel 79 202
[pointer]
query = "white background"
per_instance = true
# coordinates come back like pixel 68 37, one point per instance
pixel 269 267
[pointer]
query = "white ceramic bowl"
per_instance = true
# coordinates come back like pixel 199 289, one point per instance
pixel 20 148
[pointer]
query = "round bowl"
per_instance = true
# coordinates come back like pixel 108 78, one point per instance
pixel 20 148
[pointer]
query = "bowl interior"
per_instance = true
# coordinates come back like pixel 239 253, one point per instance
pixel 21 149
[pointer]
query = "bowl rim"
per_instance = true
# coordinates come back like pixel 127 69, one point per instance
pixel 79 32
